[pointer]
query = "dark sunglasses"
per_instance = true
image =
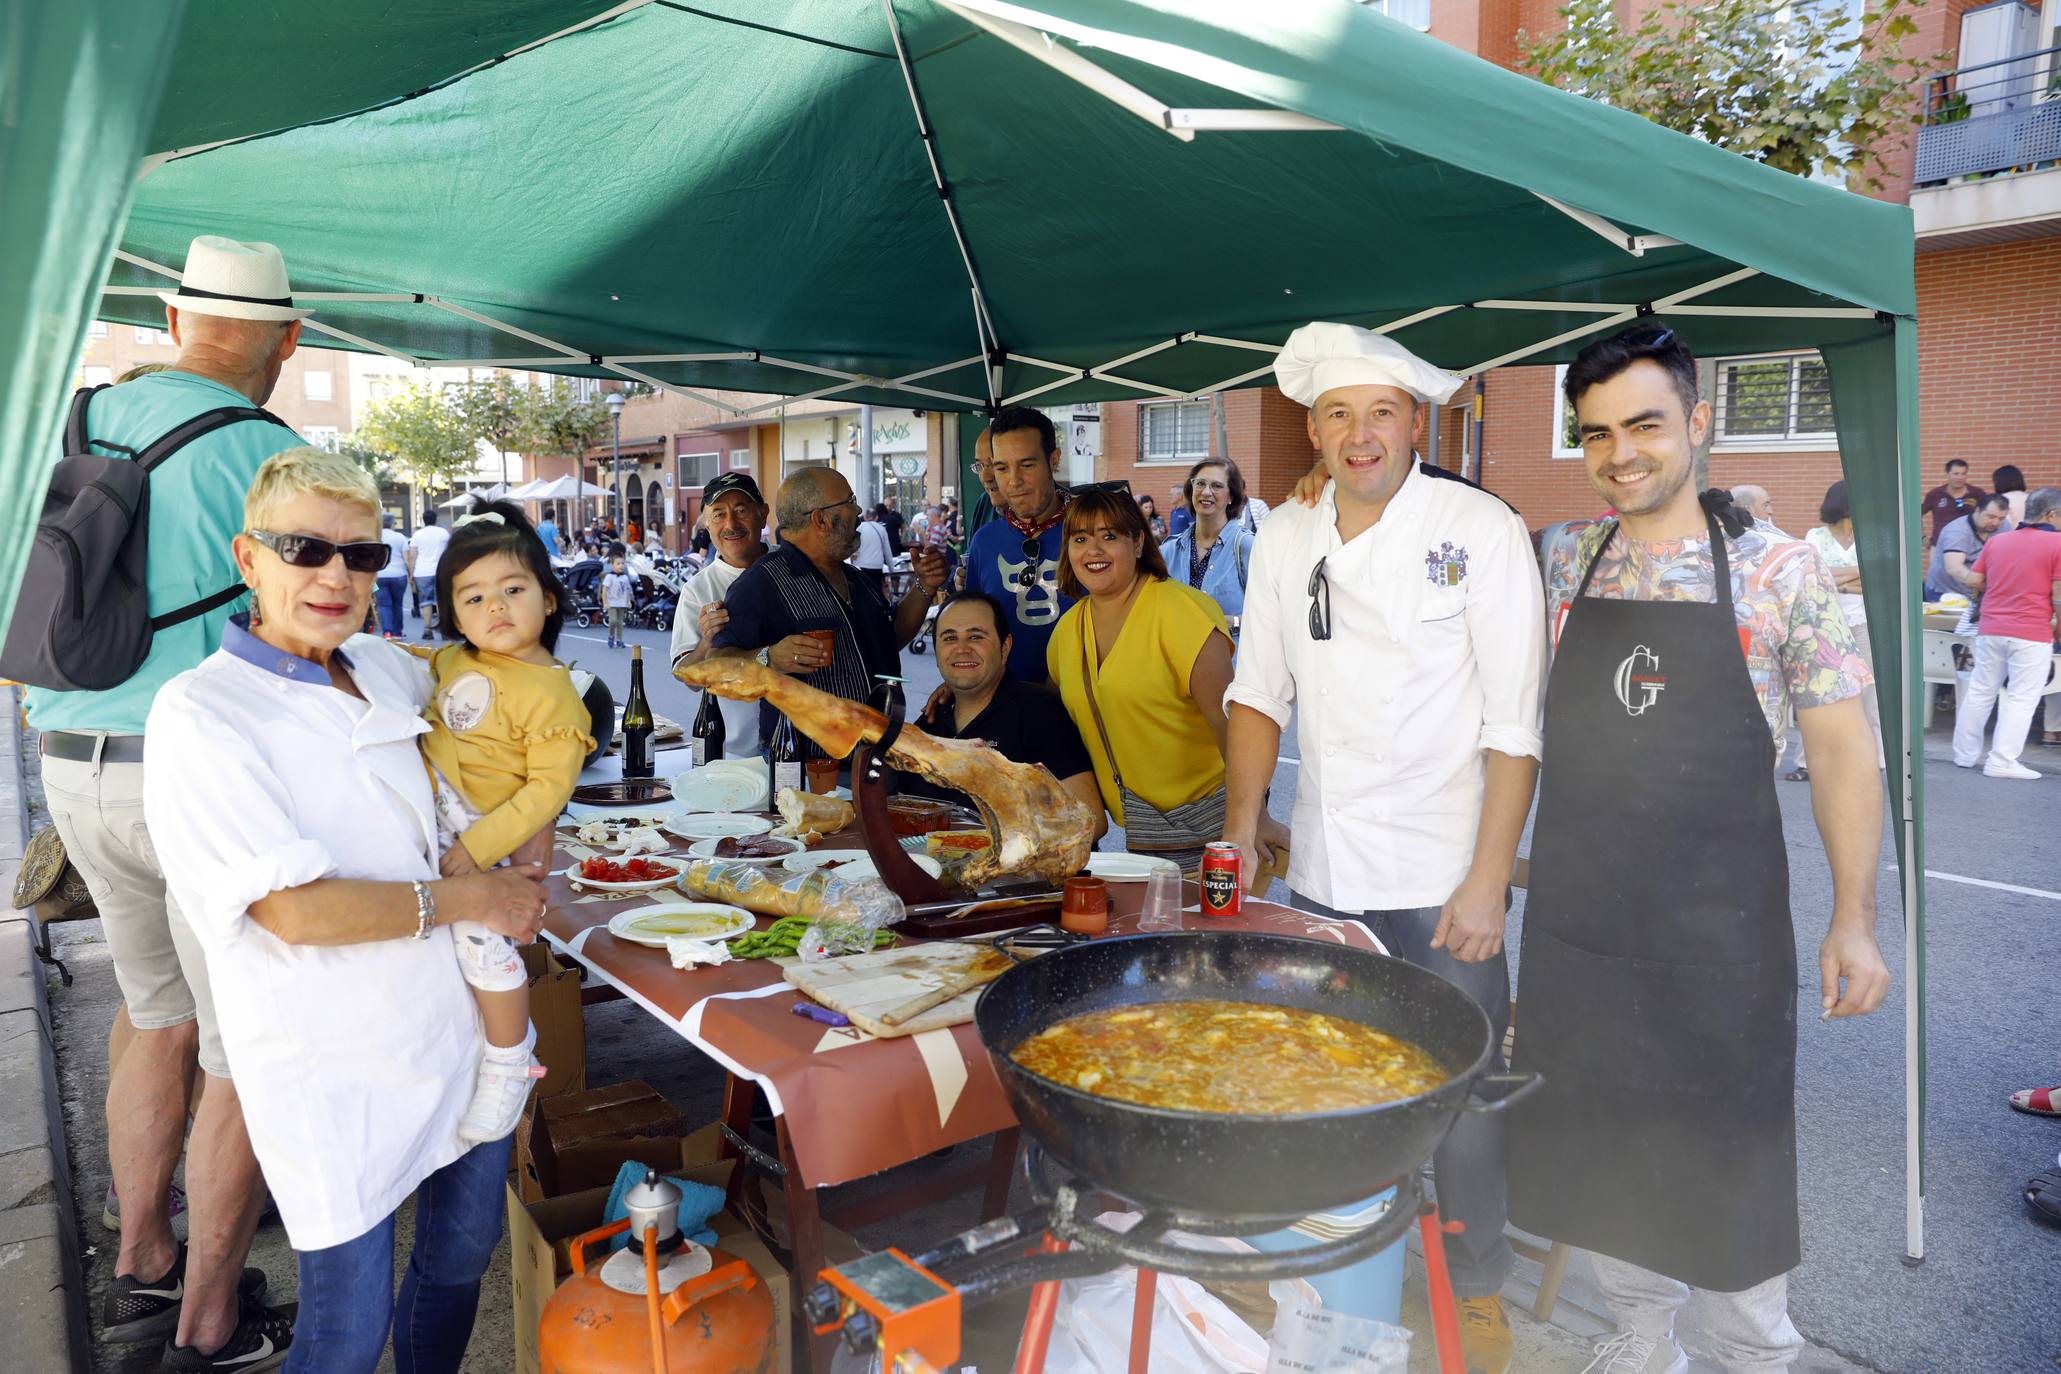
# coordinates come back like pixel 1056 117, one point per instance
pixel 1033 564
pixel 1320 603
pixel 307 551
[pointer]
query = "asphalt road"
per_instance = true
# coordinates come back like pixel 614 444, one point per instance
pixel 1984 1300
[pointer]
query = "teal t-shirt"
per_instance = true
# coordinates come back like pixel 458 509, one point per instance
pixel 196 508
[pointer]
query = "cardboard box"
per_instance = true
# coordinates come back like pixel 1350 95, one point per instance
pixel 540 1256
pixel 579 1140
pixel 556 1012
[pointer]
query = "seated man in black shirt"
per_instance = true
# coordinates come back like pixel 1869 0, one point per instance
pixel 1026 723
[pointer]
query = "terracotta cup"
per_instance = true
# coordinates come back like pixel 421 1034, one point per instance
pixel 1085 906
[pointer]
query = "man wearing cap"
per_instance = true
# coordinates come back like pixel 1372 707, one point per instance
pixel 733 513
pixel 1400 622
pixel 236 325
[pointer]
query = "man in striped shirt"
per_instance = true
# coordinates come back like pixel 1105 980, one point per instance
pixel 804 587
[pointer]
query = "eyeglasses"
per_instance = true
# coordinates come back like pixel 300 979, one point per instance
pixel 1320 603
pixel 307 551
pixel 851 501
pixel 1033 564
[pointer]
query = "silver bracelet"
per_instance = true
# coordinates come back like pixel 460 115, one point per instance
pixel 425 910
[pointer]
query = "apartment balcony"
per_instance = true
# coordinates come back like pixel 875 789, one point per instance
pixel 1989 153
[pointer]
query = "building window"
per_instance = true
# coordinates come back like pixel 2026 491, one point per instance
pixel 97 376
pixel 321 436
pixel 317 386
pixel 740 460
pixel 164 336
pixel 100 329
pixel 1173 431
pixel 145 334
pixel 1567 439
pixel 1415 13
pixel 1774 400
pixel 699 469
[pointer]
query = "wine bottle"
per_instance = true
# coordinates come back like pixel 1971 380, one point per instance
pixel 637 722
pixel 709 733
pixel 787 756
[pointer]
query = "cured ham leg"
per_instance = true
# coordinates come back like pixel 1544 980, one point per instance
pixel 1037 826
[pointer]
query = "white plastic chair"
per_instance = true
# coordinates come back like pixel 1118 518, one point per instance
pixel 1940 668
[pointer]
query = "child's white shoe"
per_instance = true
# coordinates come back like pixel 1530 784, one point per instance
pixel 499 1090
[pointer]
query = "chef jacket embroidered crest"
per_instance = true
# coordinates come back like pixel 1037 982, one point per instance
pixel 1437 652
pixel 354 1062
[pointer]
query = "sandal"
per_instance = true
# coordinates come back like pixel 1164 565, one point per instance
pixel 1797 774
pixel 2037 1101
pixel 2043 1193
pixel 2051 737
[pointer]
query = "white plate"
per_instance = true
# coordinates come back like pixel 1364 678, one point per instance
pixel 714 825
pixel 572 875
pixel 720 922
pixel 852 864
pixel 706 849
pixel 1128 868
pixel 725 785
pixel 578 814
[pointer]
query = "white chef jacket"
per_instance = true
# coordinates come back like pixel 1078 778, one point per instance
pixel 740 718
pixel 1437 652
pixel 354 1064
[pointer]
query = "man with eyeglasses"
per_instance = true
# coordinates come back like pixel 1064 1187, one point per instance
pixel 802 610
pixel 1016 559
pixel 235 324
pixel 1400 622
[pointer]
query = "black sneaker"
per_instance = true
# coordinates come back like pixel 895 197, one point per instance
pixel 258 1343
pixel 135 1310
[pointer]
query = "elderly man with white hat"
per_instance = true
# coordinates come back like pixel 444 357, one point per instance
pixel 234 320
pixel 1400 620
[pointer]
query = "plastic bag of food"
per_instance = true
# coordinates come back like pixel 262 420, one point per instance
pixel 1309 1339
pixel 864 909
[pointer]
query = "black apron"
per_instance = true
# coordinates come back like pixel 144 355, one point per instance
pixel 1657 989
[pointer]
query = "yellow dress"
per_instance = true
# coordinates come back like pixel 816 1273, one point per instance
pixel 510 736
pixel 1165 747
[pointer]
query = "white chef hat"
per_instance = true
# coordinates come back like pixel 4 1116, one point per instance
pixel 1320 356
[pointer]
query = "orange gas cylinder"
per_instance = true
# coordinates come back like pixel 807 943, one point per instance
pixel 662 1304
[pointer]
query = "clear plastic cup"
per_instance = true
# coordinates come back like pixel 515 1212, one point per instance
pixel 1163 901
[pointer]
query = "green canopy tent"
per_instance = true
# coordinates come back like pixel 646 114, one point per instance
pixel 959 203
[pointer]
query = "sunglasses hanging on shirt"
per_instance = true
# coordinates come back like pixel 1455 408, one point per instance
pixel 1320 603
pixel 1033 564
pixel 308 551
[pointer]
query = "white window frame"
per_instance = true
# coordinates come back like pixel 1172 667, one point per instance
pixel 322 436
pixel 328 384
pixel 1563 418
pixel 96 376
pixel 100 329
pixel 1791 440
pixel 1178 459
pixel 145 334
pixel 1389 7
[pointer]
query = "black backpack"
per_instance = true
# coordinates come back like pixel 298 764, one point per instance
pixel 82 620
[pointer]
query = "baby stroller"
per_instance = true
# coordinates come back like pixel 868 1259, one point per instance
pixel 658 593
pixel 582 582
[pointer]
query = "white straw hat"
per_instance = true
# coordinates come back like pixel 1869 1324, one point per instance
pixel 241 281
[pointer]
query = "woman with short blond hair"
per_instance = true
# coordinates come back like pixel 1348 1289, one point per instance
pixel 296 824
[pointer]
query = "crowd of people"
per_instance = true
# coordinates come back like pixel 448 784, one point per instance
pixel 316 849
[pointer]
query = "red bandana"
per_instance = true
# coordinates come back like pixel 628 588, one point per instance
pixel 1032 531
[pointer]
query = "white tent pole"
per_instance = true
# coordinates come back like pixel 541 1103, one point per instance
pixel 538 339
pixel 312 323
pixel 636 376
pixel 1069 63
pixel 1593 327
pixel 983 323
pixel 1913 875
pixel 1635 244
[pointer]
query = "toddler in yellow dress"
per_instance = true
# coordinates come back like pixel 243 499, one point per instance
pixel 508 734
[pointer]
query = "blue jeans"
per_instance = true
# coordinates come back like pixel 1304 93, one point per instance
pixel 390 598
pixel 347 1290
pixel 426 596
pixel 1467 1168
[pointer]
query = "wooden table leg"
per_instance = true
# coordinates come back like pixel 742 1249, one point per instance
pixel 805 1243
pixel 737 1097
pixel 1001 1171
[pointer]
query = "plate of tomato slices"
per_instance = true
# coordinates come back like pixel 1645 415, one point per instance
pixel 640 874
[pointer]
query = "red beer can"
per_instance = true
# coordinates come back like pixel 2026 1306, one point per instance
pixel 1223 891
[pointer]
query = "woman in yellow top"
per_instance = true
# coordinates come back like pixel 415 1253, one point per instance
pixel 1142 663
pixel 507 736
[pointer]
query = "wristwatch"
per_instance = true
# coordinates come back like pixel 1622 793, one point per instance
pixel 425 911
pixel 765 657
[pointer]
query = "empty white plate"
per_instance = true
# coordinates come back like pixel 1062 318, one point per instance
pixel 726 785
pixel 714 825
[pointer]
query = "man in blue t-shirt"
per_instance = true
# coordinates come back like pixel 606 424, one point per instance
pixel 1016 559
pixel 235 324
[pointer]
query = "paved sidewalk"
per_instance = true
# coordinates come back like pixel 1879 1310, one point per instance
pixel 41 1288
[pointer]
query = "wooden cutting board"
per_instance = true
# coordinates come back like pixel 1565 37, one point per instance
pixel 865 986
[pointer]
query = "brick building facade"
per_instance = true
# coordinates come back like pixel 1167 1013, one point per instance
pixel 1989 332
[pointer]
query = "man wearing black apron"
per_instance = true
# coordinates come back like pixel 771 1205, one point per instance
pixel 1657 987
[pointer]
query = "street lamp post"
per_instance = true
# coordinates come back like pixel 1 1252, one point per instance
pixel 614 400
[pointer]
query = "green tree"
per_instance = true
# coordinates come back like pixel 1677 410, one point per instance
pixel 1803 87
pixel 501 411
pixel 563 425
pixel 423 431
